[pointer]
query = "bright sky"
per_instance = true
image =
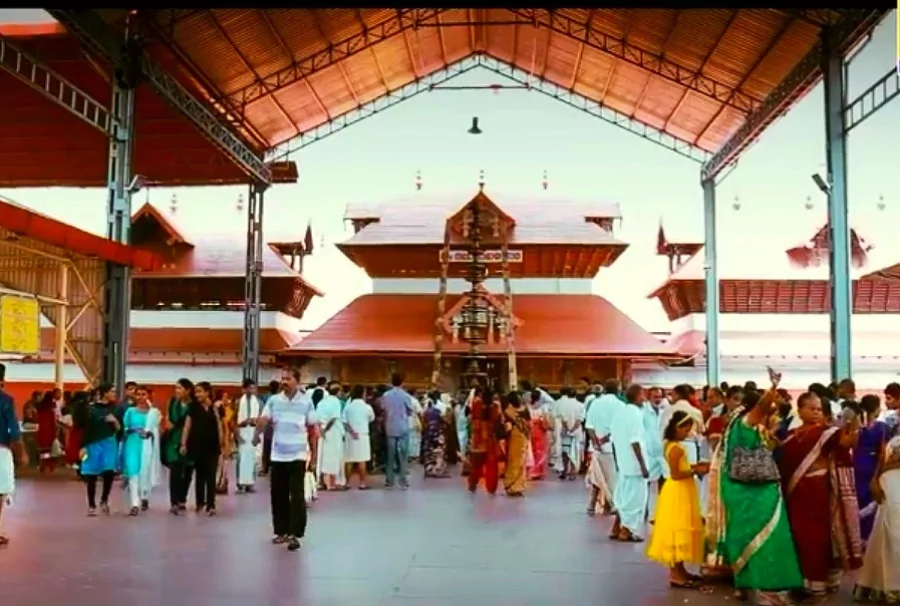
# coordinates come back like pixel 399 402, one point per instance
pixel 526 133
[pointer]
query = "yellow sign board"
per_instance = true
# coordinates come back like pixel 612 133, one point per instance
pixel 20 325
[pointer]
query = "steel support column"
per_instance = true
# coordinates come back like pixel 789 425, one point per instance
pixel 62 331
pixel 711 280
pixel 253 281
pixel 838 222
pixel 117 293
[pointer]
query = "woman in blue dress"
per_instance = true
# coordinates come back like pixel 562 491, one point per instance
pixel 99 448
pixel 140 450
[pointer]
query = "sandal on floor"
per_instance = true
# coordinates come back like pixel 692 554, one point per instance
pixel 280 540
pixel 591 511
pixel 364 487
pixel 685 584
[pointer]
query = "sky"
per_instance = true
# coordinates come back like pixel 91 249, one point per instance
pixel 526 133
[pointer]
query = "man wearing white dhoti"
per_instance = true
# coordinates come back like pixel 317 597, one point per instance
pixel 10 440
pixel 247 415
pixel 331 439
pixel 570 413
pixel 628 438
pixel 357 417
pixel 602 476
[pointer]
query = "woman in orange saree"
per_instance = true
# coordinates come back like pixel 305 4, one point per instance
pixel 819 488
pixel 518 432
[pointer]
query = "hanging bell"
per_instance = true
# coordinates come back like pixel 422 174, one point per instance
pixel 809 203
pixel 881 203
pixel 545 183
pixel 240 202
pixel 475 130
pixel 173 204
pixel 736 205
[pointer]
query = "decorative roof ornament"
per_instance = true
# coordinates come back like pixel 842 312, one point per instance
pixel 418 180
pixel 736 205
pixel 481 180
pixel 173 204
pixel 474 130
pixel 545 183
pixel 808 205
pixel 881 203
pixel 240 202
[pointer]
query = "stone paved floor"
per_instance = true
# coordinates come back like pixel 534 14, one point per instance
pixel 434 545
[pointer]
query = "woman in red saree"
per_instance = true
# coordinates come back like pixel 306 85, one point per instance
pixel 819 488
pixel 484 459
pixel 540 440
pixel 47 433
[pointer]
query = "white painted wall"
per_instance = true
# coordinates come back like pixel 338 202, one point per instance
pixel 163 374
pixel 862 323
pixel 794 378
pixel 522 286
pixel 183 318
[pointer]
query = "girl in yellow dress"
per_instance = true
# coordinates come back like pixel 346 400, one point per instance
pixel 678 532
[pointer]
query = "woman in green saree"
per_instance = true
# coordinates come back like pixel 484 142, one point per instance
pixel 747 524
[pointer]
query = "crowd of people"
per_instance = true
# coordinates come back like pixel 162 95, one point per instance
pixel 738 483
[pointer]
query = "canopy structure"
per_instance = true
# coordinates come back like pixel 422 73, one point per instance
pixel 226 95
pixel 64 269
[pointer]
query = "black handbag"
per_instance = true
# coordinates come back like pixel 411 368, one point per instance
pixel 753 466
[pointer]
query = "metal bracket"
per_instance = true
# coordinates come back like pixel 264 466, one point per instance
pixel 558 22
pixel 871 100
pixel 41 78
pixel 800 80
pixel 435 81
pixel 92 31
pixel 398 22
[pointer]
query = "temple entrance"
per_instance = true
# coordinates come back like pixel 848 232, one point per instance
pixel 496 374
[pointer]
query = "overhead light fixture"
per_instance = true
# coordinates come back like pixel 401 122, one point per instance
pixel 823 186
pixel 475 130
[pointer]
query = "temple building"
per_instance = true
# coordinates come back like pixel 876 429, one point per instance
pixel 774 312
pixel 480 284
pixel 187 316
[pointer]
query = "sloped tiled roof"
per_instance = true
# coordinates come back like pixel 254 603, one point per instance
pixel 558 324
pixel 420 219
pixel 216 235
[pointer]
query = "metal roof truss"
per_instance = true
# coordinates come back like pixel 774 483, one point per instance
pixel 90 29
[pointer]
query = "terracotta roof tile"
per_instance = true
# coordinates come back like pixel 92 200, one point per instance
pixel 217 247
pixel 420 219
pixel 555 324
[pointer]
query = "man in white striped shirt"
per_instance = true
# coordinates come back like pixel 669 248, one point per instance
pixel 293 418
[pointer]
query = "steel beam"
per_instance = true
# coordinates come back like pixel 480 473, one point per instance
pixel 593 108
pixel 92 31
pixel 117 294
pixel 54 87
pixel 372 108
pixel 711 283
pixel 871 100
pixel 398 22
pixel 253 282
pixel 838 221
pixel 658 65
pixel 805 75
pixel 522 78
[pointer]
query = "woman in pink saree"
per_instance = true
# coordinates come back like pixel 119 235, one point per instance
pixel 540 440
pixel 819 488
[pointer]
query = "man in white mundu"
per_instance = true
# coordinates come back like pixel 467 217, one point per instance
pixel 247 414
pixel 331 439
